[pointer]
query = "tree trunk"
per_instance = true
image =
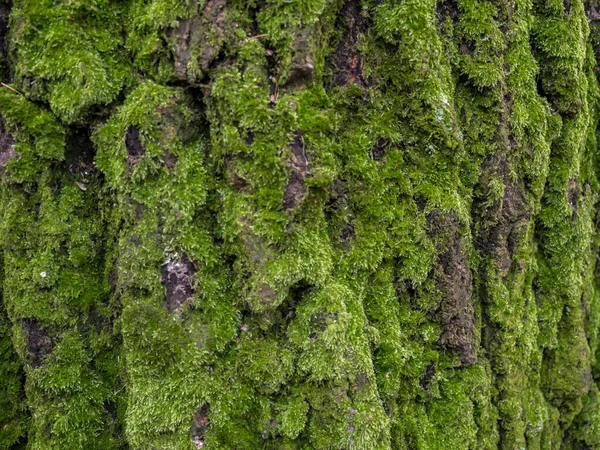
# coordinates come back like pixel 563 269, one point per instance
pixel 320 224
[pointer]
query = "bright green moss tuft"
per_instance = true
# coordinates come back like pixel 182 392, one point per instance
pixel 69 54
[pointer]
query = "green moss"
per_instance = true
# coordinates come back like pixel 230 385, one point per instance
pixel 55 291
pixel 69 54
pixel 315 224
pixel 14 419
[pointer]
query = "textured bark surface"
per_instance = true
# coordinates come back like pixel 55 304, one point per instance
pixel 320 224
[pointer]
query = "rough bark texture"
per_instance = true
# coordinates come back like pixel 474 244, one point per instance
pixel 319 224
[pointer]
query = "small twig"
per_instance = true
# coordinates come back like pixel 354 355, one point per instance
pixel 10 87
pixel 257 36
pixel 119 390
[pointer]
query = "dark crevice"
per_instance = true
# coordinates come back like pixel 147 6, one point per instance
pixel 427 376
pixel 296 191
pixel 200 425
pixel 346 61
pixel 347 234
pixel 5 72
pixel 380 149
pixel 447 9
pixel 573 194
pixel 133 144
pixel 454 279
pixel 39 342
pixel 79 151
pixel 297 293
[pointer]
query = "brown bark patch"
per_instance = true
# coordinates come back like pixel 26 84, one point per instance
pixel 296 191
pixel 256 249
pixel 170 161
pixel 573 194
pixel 39 342
pixel 133 144
pixel 447 9
pixel 466 49
pixel 200 426
pixel 360 383
pixel 215 15
pixel 347 234
pixel 182 47
pixel 303 64
pixel 346 60
pixel 199 37
pixel 454 279
pixel 266 294
pixel 177 279
pixel 380 149
pixel 593 18
pixel 503 223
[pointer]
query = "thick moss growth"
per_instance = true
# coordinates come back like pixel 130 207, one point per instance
pixel 299 224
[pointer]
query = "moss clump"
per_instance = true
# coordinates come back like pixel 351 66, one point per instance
pixel 55 289
pixel 14 419
pixel 301 225
pixel 69 54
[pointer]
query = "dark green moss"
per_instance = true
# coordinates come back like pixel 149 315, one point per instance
pixel 312 225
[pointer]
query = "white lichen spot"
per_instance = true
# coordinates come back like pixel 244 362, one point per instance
pixel 439 114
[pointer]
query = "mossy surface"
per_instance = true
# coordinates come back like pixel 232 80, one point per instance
pixel 299 224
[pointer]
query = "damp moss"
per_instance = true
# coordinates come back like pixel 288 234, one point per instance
pixel 303 225
pixel 69 55
pixel 14 420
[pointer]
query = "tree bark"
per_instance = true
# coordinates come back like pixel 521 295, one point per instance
pixel 320 224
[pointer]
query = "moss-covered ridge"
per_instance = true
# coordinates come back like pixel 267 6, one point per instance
pixel 292 224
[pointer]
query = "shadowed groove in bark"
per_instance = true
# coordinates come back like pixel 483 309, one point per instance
pixel 454 279
pixel 346 61
pixel 197 40
pixel 135 150
pixel 504 221
pixel 39 343
pixel 5 10
pixel 296 190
